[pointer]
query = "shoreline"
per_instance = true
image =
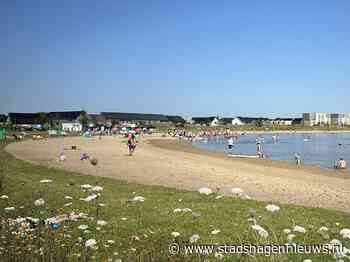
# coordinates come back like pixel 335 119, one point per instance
pixel 187 147
pixel 166 162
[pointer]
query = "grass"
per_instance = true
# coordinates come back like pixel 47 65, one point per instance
pixel 146 233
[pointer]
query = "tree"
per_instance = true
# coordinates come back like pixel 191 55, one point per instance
pixel 83 119
pixel 43 119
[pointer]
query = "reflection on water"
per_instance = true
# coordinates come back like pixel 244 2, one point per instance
pixel 315 149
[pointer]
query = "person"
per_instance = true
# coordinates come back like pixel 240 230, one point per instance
pixel 297 159
pixel 131 143
pixel 230 143
pixel 341 164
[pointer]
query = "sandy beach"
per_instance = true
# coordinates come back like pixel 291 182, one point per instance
pixel 170 163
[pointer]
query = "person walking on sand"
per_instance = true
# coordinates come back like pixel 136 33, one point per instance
pixel 297 159
pixel 131 143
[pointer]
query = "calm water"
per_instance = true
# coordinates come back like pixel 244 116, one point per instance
pixel 319 149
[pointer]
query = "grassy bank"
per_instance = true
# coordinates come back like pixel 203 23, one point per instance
pixel 118 226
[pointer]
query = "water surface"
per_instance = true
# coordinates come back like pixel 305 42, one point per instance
pixel 315 149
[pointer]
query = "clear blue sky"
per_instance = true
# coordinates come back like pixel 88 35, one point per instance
pixel 193 58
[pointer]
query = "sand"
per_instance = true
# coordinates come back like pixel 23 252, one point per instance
pixel 170 163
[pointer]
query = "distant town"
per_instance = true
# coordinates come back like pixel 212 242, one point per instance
pixel 75 121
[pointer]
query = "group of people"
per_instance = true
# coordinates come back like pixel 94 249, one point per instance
pixel 341 164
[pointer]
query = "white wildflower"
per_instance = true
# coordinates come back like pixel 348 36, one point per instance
pixel 68 197
pixel 307 260
pixel 46 181
pixel 237 191
pixel 272 208
pixel 101 205
pixel 175 234
pixel 205 191
pixel 86 186
pixel 179 210
pixel 194 238
pixel 323 229
pixel 90 243
pixel 89 198
pixel 345 233
pixel 83 227
pixel 215 232
pixel 97 188
pixel 260 230
pixel 39 202
pixel 68 204
pixel 287 231
pixel 110 241
pixel 4 197
pixel 138 199
pixel 124 218
pixel 219 197
pixel 299 229
pixel 101 222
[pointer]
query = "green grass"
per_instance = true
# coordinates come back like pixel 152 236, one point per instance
pixel 152 221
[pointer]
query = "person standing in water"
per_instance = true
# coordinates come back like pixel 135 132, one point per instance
pixel 297 159
pixel 131 143
pixel 230 143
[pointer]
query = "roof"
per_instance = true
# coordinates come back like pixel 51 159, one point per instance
pixel 203 119
pixel 3 118
pixel 226 120
pixel 133 116
pixel 249 120
pixel 176 119
pixel 284 119
pixel 24 118
pixel 65 116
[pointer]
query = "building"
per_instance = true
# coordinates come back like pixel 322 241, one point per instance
pixel 206 121
pixel 338 119
pixel 138 118
pixel 24 119
pixel 283 121
pixel 67 120
pixel 297 121
pixel 176 120
pixel 316 119
pixel 3 119
pixel 226 120
pixel 240 121
pixel 347 119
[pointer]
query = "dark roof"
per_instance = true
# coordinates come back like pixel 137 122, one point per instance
pixel 203 119
pixel 3 118
pixel 284 119
pixel 176 119
pixel 249 120
pixel 297 121
pixel 24 118
pixel 65 116
pixel 226 120
pixel 133 116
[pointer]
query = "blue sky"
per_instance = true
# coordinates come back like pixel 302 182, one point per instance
pixel 274 58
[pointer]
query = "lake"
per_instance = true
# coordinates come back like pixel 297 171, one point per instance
pixel 315 149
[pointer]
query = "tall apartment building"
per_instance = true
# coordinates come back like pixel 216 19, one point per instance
pixel 324 119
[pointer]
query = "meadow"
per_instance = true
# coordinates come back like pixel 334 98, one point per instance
pixel 53 215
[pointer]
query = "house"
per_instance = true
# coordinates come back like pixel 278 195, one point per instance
pixel 239 121
pixel 119 117
pixel 297 121
pixel 337 119
pixel 316 119
pixel 24 119
pixel 206 121
pixel 283 121
pixel 67 120
pixel 176 120
pixel 227 120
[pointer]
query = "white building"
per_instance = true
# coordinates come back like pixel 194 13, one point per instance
pixel 72 127
pixel 313 119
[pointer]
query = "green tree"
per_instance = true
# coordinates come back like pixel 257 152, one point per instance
pixel 83 119
pixel 43 119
